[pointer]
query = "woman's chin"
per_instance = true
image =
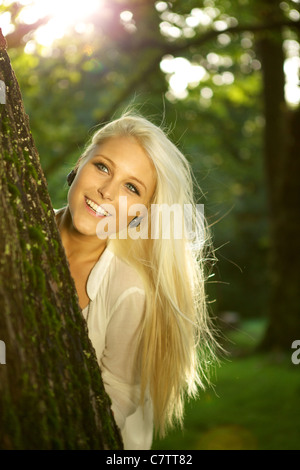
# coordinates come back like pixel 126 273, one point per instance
pixel 85 227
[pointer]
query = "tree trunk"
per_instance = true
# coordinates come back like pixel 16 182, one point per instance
pixel 282 158
pixel 51 391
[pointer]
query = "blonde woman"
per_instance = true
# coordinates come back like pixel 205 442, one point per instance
pixel 141 291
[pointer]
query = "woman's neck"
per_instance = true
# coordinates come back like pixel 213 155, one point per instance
pixel 77 246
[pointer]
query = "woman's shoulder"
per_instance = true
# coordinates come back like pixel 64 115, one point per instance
pixel 112 277
pixel 124 276
pixel 118 284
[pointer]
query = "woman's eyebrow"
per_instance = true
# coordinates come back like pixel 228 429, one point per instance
pixel 113 164
pixel 106 158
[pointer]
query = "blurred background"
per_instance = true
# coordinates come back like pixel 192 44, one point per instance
pixel 223 77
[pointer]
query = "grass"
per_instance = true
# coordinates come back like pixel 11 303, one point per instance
pixel 255 402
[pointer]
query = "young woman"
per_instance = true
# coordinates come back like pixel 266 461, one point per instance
pixel 141 291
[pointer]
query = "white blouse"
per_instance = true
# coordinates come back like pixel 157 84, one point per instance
pixel 117 304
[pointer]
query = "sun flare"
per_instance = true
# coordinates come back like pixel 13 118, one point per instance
pixel 62 14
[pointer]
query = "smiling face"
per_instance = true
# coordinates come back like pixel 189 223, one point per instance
pixel 117 171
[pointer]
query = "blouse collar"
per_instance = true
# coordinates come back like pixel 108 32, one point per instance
pixel 98 272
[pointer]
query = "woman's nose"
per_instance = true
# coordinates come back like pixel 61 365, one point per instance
pixel 108 191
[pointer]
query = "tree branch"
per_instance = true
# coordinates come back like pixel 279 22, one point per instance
pixel 15 39
pixel 177 46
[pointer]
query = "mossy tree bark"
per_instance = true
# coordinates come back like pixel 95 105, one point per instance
pixel 282 163
pixel 51 391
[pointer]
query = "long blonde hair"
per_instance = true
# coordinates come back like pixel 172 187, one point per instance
pixel 177 345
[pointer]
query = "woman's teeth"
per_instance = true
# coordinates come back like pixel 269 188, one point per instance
pixel 98 209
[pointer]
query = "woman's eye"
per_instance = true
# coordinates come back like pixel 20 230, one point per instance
pixel 102 167
pixel 132 188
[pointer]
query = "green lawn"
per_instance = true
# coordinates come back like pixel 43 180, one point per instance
pixel 255 403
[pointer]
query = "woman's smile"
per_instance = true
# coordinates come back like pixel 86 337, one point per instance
pixel 95 209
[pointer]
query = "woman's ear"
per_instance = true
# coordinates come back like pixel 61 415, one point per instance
pixel 70 177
